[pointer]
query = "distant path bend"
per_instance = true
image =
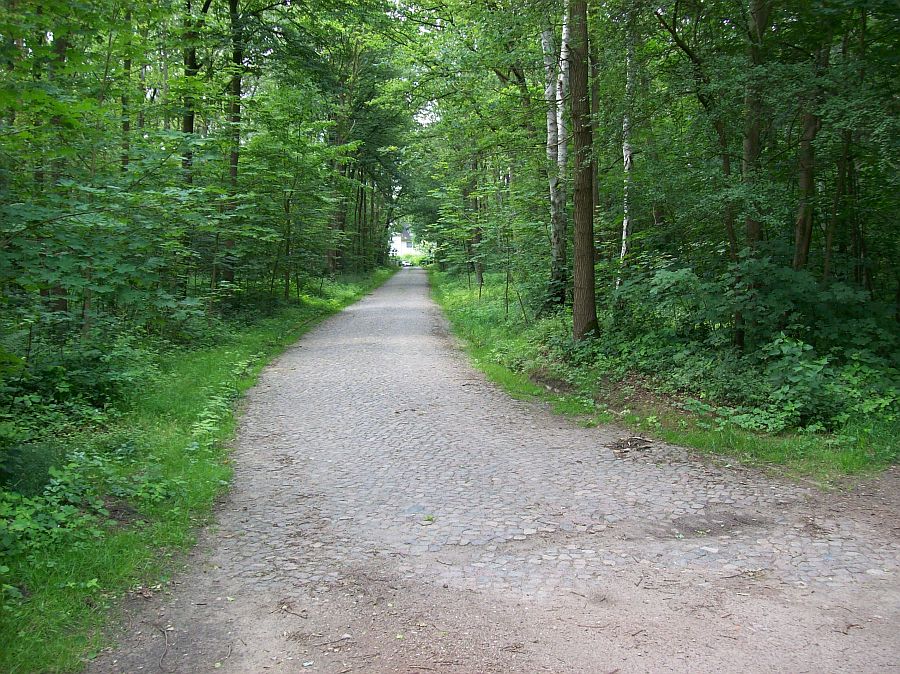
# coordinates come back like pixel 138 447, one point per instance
pixel 394 512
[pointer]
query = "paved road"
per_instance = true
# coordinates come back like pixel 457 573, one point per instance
pixel 393 511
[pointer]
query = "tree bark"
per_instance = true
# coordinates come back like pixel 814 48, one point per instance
pixel 760 13
pixel 60 55
pixel 627 155
pixel 584 308
pixel 595 129
pixel 473 207
pixel 234 122
pixel 562 95
pixel 556 292
pixel 335 255
pixel 125 99
pixel 810 123
pixel 803 223
pixel 838 203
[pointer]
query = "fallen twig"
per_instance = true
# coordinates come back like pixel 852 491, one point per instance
pixel 165 650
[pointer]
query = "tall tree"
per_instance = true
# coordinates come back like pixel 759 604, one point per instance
pixel 584 306
pixel 627 152
pixel 555 93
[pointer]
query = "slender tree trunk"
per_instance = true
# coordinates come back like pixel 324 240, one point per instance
pixel 287 261
pixel 370 234
pixel 37 73
pixel 359 217
pixel 126 90
pixel 60 55
pixel 810 123
pixel 478 264
pixel 472 206
pixel 760 11
pixel 142 78
pixel 191 70
pixel 164 88
pixel 729 213
pixel 627 154
pixel 562 96
pixel 335 256
pixel 803 223
pixel 838 203
pixel 862 271
pixel 234 122
pixel 584 308
pixel 556 292
pixel 477 236
pixel 595 118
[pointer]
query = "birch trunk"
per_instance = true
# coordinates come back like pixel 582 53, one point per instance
pixel 627 155
pixel 562 95
pixel 556 292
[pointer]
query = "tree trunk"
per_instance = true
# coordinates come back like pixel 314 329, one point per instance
pixel 838 204
pixel 760 11
pixel 126 90
pixel 803 222
pixel 472 207
pixel 627 155
pixel 359 217
pixel 556 292
pixel 287 262
pixel 142 78
pixel 477 263
pixel 562 95
pixel 810 123
pixel 595 118
pixel 60 55
pixel 191 70
pixel 234 122
pixel 335 255
pixel 370 233
pixel 584 308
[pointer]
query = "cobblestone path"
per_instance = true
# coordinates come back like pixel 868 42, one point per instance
pixel 393 511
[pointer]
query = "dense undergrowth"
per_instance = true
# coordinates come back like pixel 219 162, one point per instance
pixel 658 363
pixel 111 455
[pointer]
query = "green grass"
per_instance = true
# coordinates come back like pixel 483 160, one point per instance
pixel 510 353
pixel 73 592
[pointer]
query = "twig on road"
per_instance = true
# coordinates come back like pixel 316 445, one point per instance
pixel 165 652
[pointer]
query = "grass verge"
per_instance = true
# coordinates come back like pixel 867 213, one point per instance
pixel 510 348
pixel 170 447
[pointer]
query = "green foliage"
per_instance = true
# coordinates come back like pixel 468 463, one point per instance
pixel 844 405
pixel 120 495
pixel 719 301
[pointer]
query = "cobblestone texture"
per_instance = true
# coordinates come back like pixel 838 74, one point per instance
pixel 372 444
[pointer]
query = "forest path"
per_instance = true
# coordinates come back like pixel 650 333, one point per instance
pixel 394 512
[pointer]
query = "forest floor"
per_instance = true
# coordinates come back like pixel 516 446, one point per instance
pixel 392 511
